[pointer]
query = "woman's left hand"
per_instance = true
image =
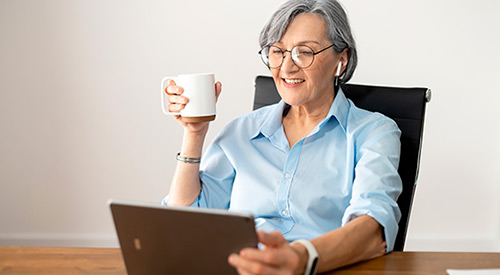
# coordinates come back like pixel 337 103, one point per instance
pixel 276 256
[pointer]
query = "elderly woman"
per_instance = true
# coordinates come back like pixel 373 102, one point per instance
pixel 318 173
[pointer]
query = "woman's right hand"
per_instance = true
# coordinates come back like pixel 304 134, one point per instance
pixel 177 102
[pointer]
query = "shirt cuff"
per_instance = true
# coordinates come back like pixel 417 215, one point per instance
pixel 196 202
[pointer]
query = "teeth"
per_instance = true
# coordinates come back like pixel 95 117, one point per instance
pixel 293 81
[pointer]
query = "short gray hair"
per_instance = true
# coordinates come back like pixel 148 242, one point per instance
pixel 338 29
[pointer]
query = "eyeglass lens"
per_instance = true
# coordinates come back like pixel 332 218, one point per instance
pixel 273 56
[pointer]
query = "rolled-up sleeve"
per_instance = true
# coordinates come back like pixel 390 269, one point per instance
pixel 377 185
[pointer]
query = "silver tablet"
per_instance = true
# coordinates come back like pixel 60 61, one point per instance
pixel 171 240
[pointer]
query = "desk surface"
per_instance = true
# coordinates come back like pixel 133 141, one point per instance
pixel 50 260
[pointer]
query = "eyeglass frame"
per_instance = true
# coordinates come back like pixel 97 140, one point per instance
pixel 290 51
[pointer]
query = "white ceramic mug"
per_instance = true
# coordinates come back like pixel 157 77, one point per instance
pixel 200 90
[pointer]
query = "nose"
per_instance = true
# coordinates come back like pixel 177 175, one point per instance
pixel 288 65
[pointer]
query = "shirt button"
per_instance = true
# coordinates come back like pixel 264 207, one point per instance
pixel 284 212
pixel 287 176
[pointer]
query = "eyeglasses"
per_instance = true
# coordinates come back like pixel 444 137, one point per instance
pixel 302 56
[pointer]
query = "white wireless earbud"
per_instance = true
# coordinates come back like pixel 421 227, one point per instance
pixel 338 68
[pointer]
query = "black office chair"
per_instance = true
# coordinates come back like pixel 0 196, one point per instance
pixel 406 106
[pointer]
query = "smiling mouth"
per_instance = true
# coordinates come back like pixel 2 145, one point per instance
pixel 293 81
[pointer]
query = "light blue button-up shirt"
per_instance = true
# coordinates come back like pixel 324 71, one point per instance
pixel 346 167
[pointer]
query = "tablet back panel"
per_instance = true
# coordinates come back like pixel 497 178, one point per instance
pixel 164 240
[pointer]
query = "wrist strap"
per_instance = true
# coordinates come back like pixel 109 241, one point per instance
pixel 312 259
pixel 187 160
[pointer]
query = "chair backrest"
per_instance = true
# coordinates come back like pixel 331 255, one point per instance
pixel 406 106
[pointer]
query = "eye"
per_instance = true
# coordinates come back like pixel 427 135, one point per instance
pixel 273 50
pixel 304 51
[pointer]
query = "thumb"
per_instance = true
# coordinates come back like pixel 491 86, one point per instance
pixel 218 89
pixel 273 239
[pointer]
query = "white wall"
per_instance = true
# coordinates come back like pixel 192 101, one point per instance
pixel 81 122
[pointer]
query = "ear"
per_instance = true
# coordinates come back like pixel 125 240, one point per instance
pixel 339 67
pixel 344 58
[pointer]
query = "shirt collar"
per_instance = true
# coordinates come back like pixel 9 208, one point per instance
pixel 339 110
pixel 272 122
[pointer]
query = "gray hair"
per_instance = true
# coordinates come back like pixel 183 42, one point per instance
pixel 338 29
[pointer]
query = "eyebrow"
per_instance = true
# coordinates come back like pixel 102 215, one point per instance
pixel 309 41
pixel 303 42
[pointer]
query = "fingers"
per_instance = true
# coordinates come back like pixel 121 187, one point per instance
pixel 277 256
pixel 269 257
pixel 177 102
pixel 175 107
pixel 177 99
pixel 173 89
pixel 247 266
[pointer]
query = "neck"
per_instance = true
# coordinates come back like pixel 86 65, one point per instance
pixel 311 113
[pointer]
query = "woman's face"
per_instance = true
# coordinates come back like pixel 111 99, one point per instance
pixel 312 86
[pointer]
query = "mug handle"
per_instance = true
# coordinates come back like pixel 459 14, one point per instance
pixel 164 103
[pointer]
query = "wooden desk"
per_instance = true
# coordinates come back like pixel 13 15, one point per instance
pixel 48 260
pixel 54 260
pixel 423 263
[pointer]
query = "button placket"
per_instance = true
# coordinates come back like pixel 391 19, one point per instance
pixel 286 180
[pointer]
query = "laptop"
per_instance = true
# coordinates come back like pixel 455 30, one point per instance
pixel 158 239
